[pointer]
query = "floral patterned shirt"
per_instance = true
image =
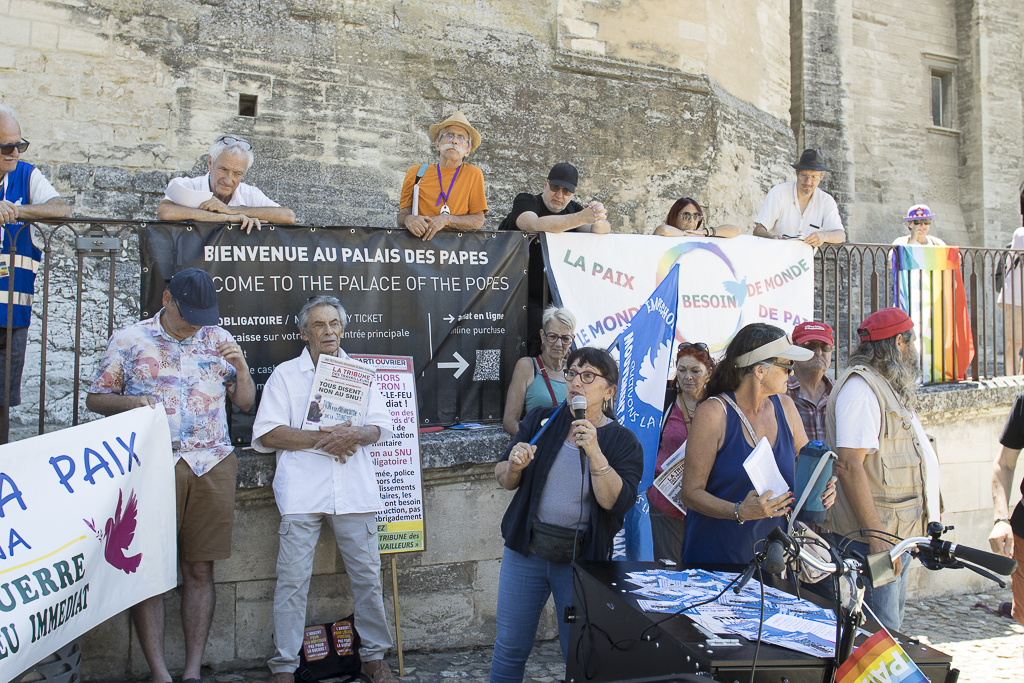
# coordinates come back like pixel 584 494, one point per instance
pixel 189 377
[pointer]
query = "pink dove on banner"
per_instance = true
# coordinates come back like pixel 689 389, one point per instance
pixel 118 534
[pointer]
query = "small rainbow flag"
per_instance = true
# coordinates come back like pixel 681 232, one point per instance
pixel 930 288
pixel 880 659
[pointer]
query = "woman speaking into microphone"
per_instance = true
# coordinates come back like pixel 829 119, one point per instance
pixel 574 479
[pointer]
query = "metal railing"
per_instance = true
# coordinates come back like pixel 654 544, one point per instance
pixel 854 280
pixel 89 286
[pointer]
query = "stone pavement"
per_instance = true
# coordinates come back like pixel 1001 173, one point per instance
pixel 984 647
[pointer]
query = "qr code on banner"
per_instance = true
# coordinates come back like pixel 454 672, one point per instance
pixel 488 365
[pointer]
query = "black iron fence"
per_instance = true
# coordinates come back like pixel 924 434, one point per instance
pixel 89 285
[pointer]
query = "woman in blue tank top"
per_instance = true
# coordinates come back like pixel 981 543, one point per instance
pixel 747 394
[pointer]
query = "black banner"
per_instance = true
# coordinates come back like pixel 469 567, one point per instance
pixel 456 304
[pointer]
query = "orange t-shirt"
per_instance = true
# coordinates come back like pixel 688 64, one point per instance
pixel 467 195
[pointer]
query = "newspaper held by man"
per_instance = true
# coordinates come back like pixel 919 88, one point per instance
pixel 670 481
pixel 341 388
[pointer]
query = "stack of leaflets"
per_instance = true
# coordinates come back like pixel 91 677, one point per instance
pixel 788 621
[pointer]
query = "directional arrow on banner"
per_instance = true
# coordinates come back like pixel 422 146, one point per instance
pixel 450 318
pixel 461 364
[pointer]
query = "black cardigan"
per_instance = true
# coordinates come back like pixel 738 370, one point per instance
pixel 624 454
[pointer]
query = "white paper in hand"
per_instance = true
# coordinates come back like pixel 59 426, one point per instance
pixel 764 471
pixel 186 196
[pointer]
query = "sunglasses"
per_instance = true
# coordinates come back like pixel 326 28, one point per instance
pixel 687 216
pixel 700 346
pixel 788 367
pixel 928 222
pixel 231 140
pixel 20 146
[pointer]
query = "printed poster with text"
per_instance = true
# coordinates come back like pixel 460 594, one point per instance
pixel 88 530
pixel 399 476
pixel 724 284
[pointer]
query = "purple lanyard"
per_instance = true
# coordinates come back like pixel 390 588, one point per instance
pixel 441 194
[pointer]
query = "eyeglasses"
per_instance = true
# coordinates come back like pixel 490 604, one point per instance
pixel 788 367
pixel 457 137
pixel 810 176
pixel 928 222
pixel 565 338
pixel 586 377
pixel 559 190
pixel 20 146
pixel 231 140
pixel 687 216
pixel 817 346
pixel 700 346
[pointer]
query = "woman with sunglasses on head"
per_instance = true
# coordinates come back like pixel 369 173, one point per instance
pixel 540 381
pixel 686 218
pixel 574 479
pixel 747 402
pixel 693 368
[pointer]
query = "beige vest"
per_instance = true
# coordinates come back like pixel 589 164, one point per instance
pixel 896 472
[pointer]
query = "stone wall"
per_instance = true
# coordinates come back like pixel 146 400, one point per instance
pixel 121 95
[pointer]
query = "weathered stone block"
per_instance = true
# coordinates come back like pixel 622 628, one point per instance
pixel 105 649
pixel 484 502
pixel 38 12
pixel 151 181
pixel 236 82
pixel 85 42
pixel 15 31
pixel 254 618
pixel 107 178
pixel 44 35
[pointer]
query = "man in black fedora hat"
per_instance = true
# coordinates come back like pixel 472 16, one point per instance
pixel 799 210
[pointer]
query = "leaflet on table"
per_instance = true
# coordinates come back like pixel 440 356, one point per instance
pixel 670 481
pixel 788 621
pixel 341 388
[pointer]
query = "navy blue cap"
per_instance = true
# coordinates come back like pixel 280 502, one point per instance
pixel 565 175
pixel 196 295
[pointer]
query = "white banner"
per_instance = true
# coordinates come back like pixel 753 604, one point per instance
pixel 724 284
pixel 88 530
pixel 400 524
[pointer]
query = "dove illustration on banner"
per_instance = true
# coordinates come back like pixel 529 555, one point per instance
pixel 118 534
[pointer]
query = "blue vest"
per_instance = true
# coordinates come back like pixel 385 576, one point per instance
pixel 27 257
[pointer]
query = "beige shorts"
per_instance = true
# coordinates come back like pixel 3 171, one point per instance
pixel 206 510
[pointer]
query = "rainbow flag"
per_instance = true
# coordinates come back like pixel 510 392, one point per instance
pixel 880 659
pixel 930 288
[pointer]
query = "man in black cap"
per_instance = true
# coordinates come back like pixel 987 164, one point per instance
pixel 180 358
pixel 799 210
pixel 553 210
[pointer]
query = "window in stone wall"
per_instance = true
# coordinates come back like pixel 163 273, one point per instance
pixel 942 109
pixel 247 105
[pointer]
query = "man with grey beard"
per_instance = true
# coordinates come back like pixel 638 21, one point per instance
pixel 888 472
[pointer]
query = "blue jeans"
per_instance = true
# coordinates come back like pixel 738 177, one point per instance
pixel 888 601
pixel 523 588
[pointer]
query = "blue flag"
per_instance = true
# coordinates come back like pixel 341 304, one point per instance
pixel 645 355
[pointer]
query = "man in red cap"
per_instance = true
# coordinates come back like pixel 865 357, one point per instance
pixel 808 386
pixel 888 472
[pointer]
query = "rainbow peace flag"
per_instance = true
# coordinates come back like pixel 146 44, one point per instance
pixel 879 659
pixel 930 288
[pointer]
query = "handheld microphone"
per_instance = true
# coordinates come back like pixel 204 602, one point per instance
pixel 775 560
pixel 579 407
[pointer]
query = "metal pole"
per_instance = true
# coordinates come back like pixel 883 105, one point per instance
pixel 398 620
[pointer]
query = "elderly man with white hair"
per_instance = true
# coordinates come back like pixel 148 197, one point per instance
pixel 451 192
pixel 25 195
pixel 220 195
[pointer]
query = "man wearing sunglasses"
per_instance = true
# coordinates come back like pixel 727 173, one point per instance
pixel 220 195
pixel 25 195
pixel 553 210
